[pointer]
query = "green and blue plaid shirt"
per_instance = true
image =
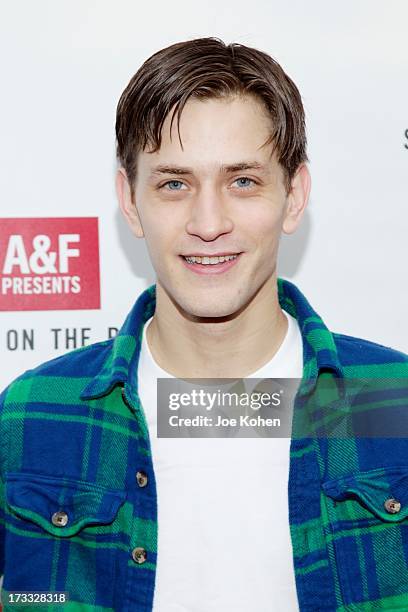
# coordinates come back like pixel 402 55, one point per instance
pixel 78 499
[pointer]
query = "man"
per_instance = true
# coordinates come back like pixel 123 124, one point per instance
pixel 92 502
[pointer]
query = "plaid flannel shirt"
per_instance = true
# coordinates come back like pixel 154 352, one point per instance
pixel 78 499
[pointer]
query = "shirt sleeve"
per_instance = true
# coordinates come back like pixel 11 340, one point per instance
pixel 3 442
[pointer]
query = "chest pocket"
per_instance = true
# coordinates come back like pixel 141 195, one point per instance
pixel 62 507
pixel 367 526
pixel 61 532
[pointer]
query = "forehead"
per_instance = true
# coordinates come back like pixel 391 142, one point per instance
pixel 220 135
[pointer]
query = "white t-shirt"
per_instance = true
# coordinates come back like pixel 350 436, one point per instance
pixel 223 520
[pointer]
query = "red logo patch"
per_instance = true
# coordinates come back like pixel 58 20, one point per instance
pixel 49 264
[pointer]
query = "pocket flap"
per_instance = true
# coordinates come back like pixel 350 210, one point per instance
pixel 61 506
pixel 376 489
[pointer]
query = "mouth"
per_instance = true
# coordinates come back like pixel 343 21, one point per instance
pixel 211 264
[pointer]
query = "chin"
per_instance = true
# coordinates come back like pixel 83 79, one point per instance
pixel 206 302
pixel 209 310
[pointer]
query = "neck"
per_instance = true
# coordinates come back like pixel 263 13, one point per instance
pixel 232 348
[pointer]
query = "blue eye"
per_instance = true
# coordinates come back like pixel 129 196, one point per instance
pixel 175 185
pixel 172 182
pixel 245 178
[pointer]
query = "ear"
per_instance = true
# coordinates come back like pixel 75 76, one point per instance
pixel 297 199
pixel 127 204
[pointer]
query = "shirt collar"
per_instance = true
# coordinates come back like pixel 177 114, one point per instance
pixel 120 367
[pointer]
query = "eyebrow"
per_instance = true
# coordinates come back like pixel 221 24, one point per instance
pixel 224 168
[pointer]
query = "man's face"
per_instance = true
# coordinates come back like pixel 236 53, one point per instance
pixel 208 207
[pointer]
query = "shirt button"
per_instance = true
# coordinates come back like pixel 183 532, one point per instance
pixel 139 555
pixel 59 519
pixel 392 505
pixel 141 478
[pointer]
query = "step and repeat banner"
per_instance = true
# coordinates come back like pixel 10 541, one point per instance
pixel 50 264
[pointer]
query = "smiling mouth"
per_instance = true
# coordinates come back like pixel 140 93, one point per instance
pixel 207 260
pixel 210 265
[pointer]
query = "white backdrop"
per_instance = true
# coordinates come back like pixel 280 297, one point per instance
pixel 64 66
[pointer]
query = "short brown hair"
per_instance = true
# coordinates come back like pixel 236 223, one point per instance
pixel 207 68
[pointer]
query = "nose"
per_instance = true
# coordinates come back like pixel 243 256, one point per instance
pixel 208 216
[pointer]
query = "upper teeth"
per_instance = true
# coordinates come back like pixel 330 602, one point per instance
pixel 210 260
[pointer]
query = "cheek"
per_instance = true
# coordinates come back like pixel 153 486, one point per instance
pixel 164 232
pixel 265 226
pixel 160 243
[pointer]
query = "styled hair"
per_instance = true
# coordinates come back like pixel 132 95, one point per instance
pixel 206 68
